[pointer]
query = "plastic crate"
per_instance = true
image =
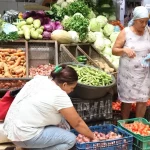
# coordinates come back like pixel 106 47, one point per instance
pixel 117 116
pixel 93 110
pixel 140 142
pixel 124 143
pixel 99 122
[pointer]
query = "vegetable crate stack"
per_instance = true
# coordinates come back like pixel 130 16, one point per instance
pixel 85 53
pixel 96 110
pixel 43 56
pixel 13 64
pixel 116 106
pixel 91 96
pixel 109 137
pixel 140 129
pixel 21 60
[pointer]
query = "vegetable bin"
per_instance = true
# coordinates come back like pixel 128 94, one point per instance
pixel 139 142
pixel 84 91
pixel 123 143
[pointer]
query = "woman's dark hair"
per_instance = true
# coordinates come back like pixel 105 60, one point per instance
pixel 64 73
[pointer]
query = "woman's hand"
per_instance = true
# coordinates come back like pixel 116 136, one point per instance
pixel 71 115
pixel 129 52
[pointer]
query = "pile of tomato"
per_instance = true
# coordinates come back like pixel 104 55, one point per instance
pixel 138 128
pixel 117 105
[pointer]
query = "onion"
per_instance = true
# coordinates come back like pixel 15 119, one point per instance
pixel 48 27
pixel 53 25
pixel 47 20
pixel 57 23
pixel 41 13
pixel 59 27
pixel 46 35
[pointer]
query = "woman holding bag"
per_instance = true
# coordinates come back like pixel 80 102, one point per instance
pixel 133 45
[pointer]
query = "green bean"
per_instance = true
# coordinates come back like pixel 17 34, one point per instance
pixel 92 76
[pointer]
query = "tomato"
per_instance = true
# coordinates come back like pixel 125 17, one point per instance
pixel 138 128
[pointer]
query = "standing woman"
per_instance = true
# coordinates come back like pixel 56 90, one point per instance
pixel 133 45
pixel 35 119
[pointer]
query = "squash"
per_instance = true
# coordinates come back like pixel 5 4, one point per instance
pixel 61 36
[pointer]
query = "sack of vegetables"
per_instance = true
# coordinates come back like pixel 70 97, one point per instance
pixel 93 83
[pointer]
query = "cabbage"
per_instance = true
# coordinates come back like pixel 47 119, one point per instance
pixel 75 36
pixel 108 57
pixel 66 21
pixel 64 4
pixel 99 44
pixel 114 36
pixel 105 6
pixel 114 58
pixel 101 30
pixel 94 25
pixel 91 37
pixel 85 40
pixel 70 1
pixel 107 51
pixel 112 44
pixel 102 20
pixel 91 15
pixel 107 42
pixel 112 17
pixel 59 2
pixel 78 14
pixel 108 29
pixel 99 35
pixel 116 63
pixel 105 14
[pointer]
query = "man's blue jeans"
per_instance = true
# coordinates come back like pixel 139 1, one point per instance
pixel 52 138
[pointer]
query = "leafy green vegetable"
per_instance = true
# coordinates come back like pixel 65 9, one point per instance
pixel 56 12
pixel 108 29
pixel 78 7
pixel 79 24
pixel 8 37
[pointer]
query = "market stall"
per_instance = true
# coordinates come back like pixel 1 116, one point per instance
pixel 80 34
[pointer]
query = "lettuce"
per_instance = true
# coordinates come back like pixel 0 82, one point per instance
pixel 108 29
pixel 102 20
pixel 94 25
pixel 99 44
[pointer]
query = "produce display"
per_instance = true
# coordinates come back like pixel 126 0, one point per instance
pixel 98 137
pixel 6 84
pixel 102 65
pixel 12 63
pixel 117 105
pixel 92 76
pixel 8 37
pixel 138 128
pixel 41 70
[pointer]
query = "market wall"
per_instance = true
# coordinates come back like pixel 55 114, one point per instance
pixel 15 4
